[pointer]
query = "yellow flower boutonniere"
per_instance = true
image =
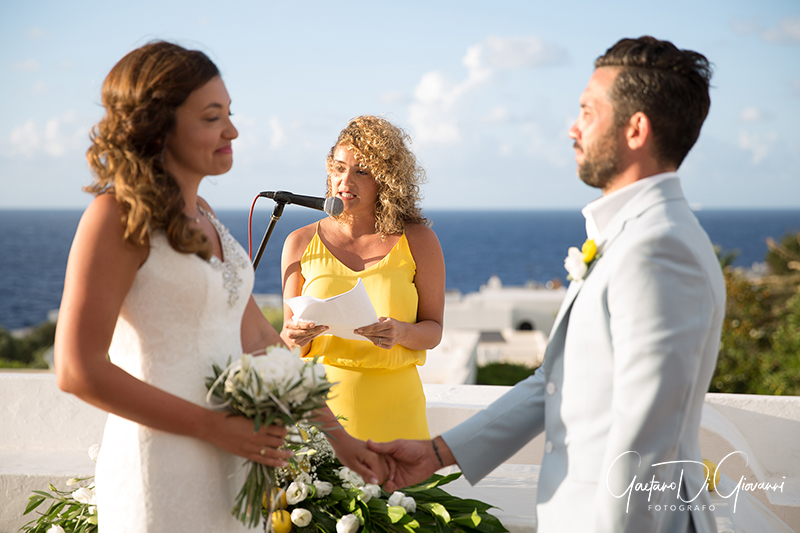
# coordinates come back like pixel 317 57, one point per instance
pixel 577 261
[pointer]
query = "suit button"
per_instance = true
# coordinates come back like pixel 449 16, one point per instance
pixel 548 446
pixel 550 388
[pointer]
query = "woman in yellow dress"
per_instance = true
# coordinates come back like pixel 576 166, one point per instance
pixel 383 239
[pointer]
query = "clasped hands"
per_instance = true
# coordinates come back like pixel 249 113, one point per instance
pixel 399 463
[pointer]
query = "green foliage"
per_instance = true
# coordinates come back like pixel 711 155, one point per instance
pixel 784 257
pixel 433 509
pixel 28 351
pixel 72 515
pixel 503 374
pixel 760 343
pixel 275 317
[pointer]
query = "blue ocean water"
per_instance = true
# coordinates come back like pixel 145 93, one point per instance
pixel 517 246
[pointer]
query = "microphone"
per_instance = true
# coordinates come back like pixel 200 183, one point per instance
pixel 332 206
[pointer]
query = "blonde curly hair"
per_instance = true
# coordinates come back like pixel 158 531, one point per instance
pixel 140 96
pixel 381 147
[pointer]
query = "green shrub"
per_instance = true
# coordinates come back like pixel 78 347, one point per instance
pixel 28 351
pixel 275 317
pixel 503 374
pixel 760 342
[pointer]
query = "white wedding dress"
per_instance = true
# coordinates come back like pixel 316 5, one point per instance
pixel 181 315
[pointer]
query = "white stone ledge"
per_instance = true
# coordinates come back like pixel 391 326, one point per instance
pixel 45 435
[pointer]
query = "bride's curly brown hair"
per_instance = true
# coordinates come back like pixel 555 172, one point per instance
pixel 382 148
pixel 140 96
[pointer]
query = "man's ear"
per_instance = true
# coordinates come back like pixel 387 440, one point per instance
pixel 638 132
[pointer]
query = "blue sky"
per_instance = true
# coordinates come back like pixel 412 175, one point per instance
pixel 487 90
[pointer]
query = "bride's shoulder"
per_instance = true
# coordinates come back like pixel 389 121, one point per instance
pixel 102 226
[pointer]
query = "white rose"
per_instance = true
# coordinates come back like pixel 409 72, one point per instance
pixel 94 452
pixel 349 523
pixel 574 263
pixel 396 499
pixel 322 488
pixel 56 529
pixel 370 491
pixel 297 492
pixel 84 495
pixel 348 476
pixel 301 517
pixel 409 504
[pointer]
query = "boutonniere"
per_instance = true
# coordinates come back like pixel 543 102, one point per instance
pixel 578 262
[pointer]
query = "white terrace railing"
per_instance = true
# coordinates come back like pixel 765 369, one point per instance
pixel 45 435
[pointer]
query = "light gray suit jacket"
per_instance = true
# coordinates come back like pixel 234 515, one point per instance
pixel 629 361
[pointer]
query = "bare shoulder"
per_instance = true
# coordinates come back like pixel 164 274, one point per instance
pixel 102 228
pixel 421 237
pixel 298 240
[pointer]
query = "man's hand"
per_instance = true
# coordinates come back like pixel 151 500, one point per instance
pixel 354 454
pixel 412 461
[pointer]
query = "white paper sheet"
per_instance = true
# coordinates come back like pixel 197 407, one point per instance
pixel 341 313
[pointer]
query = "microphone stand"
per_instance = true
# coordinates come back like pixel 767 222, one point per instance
pixel 277 211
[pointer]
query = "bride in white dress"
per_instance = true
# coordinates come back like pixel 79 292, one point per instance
pixel 156 290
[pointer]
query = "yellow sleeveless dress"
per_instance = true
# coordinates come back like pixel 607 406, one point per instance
pixel 379 392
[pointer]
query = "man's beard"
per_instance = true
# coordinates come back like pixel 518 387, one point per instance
pixel 601 161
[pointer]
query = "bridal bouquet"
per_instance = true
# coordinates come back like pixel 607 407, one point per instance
pixel 319 495
pixel 277 388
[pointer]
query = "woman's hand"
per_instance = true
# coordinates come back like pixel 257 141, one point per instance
pixel 385 333
pixel 235 435
pixel 301 333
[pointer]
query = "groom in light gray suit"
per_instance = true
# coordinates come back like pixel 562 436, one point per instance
pixel 634 346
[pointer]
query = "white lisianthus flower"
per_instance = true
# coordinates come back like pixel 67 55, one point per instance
pixel 304 478
pixel 296 493
pixel 72 481
pixel 322 488
pixel 301 517
pixel 370 491
pixel 348 476
pixel 94 452
pixel 55 528
pixel 575 265
pixel 84 495
pixel 349 523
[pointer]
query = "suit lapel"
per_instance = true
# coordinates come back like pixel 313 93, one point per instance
pixel 669 189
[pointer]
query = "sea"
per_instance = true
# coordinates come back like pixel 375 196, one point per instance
pixel 519 247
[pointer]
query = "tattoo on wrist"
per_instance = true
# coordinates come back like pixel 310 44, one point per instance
pixel 436 451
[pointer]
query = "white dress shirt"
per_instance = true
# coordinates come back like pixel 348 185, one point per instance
pixel 599 212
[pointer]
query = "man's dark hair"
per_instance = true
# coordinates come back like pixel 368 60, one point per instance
pixel 668 85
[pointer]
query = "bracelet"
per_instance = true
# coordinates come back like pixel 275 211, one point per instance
pixel 436 451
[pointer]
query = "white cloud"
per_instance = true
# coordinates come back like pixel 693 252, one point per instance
pixel 435 114
pixel 512 53
pixel 394 97
pixel 39 87
pixel 787 31
pixel 497 114
pixel 278 137
pixel 759 145
pixel 58 137
pixel 35 33
pixel 29 65
pixel 751 114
